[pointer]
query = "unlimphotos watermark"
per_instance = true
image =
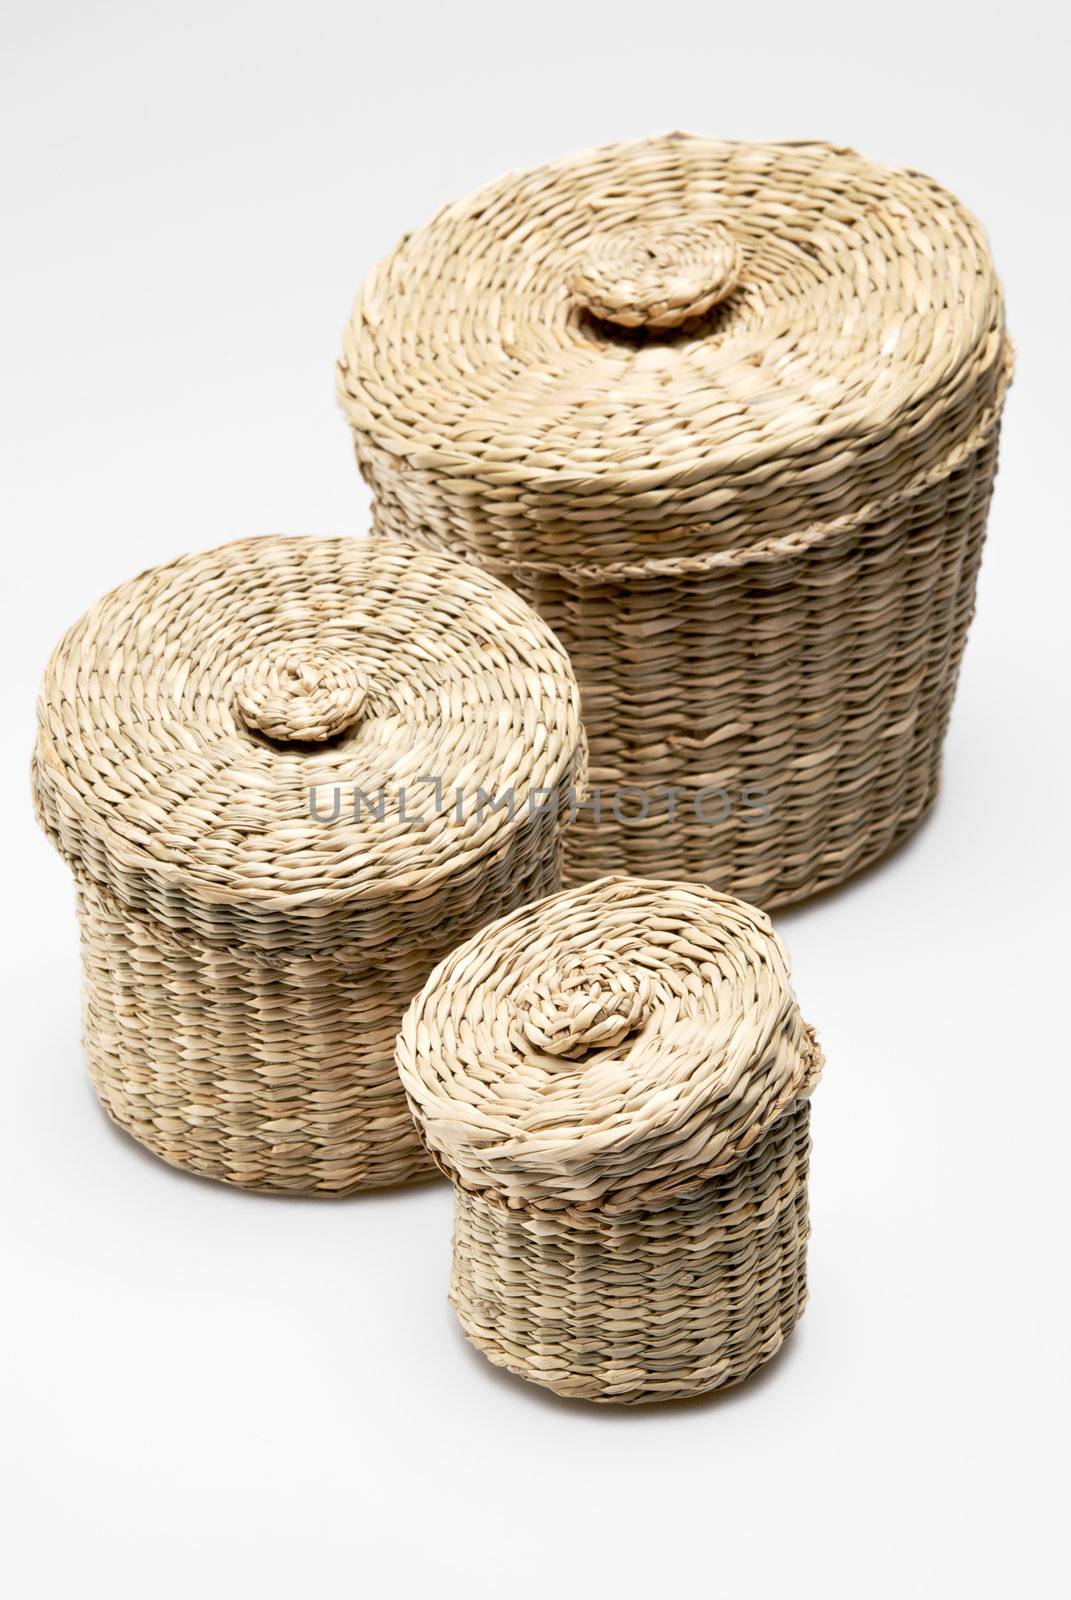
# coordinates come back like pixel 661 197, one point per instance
pixel 428 797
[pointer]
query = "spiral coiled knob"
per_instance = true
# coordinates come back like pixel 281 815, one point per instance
pixel 657 275
pixel 299 698
pixel 584 1003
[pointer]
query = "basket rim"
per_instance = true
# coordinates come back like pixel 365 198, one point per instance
pixel 775 547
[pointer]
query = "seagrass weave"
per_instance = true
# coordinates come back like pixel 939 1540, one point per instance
pixel 288 776
pixel 616 1080
pixel 727 415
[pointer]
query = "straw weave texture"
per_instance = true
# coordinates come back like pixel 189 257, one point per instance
pixel 246 965
pixel 727 415
pixel 617 1081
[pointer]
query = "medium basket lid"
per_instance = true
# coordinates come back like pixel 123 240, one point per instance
pixel 629 1038
pixel 192 723
pixel 672 345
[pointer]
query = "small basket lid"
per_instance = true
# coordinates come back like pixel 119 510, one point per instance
pixel 294 725
pixel 670 347
pixel 624 1041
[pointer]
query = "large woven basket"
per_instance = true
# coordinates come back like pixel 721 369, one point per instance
pixel 727 415
pixel 617 1083
pixel 238 757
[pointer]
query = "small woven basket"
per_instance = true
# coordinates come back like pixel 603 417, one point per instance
pixel 238 756
pixel 727 415
pixel 617 1081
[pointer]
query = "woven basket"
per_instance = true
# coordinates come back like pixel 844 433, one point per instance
pixel 246 959
pixel 727 415
pixel 616 1082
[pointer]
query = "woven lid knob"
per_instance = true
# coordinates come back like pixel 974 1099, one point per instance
pixel 657 275
pixel 590 1002
pixel 299 697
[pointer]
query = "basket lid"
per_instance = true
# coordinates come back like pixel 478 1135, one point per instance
pixel 671 345
pixel 629 1038
pixel 288 723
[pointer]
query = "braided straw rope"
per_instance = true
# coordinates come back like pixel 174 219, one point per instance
pixel 245 964
pixel 616 1080
pixel 727 415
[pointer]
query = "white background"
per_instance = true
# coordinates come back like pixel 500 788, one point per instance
pixel 216 1394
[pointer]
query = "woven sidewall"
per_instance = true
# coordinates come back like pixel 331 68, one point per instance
pixel 271 1073
pixel 821 677
pixel 649 1305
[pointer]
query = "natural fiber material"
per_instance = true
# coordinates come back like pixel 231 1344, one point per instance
pixel 727 415
pixel 247 959
pixel 616 1081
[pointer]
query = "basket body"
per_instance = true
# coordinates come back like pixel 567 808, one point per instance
pixel 749 495
pixel 645 1305
pixel 248 947
pixel 772 725
pixel 274 1070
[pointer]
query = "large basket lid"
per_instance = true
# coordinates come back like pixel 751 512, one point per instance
pixel 621 1042
pixel 295 725
pixel 670 346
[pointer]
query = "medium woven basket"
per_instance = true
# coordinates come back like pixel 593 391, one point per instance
pixel 727 415
pixel 237 756
pixel 617 1083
